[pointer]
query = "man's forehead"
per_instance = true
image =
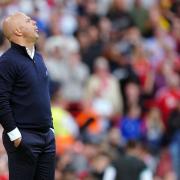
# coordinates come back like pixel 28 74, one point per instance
pixel 19 15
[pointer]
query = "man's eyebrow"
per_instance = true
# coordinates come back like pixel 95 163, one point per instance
pixel 28 19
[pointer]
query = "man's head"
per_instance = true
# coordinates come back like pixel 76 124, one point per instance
pixel 20 28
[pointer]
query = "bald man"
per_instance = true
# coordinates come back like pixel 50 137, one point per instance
pixel 25 113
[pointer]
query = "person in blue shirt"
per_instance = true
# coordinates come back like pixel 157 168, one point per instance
pixel 131 126
pixel 25 112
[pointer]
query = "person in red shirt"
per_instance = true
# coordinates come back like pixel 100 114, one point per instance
pixel 168 97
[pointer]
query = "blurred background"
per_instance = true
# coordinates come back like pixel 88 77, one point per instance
pixel 114 69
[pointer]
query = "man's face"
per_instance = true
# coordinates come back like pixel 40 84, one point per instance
pixel 28 27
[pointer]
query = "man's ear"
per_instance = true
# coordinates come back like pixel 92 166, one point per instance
pixel 18 32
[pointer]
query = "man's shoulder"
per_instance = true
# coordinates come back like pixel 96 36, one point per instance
pixel 6 56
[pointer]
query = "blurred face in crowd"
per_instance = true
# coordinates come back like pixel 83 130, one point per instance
pixel 119 4
pixel 100 162
pixel 114 136
pixel 20 27
pixel 132 92
pixel 102 72
pixel 101 67
pixel 84 39
pixel 133 35
pixel 105 26
pixel 138 3
pixel 91 6
pixel 83 22
pixel 155 114
pixel 173 81
pixel 90 151
pixel 93 34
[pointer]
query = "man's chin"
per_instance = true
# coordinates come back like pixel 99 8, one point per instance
pixel 36 37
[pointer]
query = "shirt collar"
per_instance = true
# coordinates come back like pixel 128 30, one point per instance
pixel 23 49
pixel 30 53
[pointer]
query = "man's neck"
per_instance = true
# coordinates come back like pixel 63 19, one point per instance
pixel 22 42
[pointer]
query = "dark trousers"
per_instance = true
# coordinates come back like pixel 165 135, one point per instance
pixel 34 158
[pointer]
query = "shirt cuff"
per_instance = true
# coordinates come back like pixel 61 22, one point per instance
pixel 14 134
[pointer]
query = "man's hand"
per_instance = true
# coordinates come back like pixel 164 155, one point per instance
pixel 17 142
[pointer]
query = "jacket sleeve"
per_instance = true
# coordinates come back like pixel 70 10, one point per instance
pixel 7 79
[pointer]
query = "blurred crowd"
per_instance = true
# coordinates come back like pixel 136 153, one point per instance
pixel 114 68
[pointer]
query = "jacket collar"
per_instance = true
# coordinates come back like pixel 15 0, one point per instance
pixel 19 48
